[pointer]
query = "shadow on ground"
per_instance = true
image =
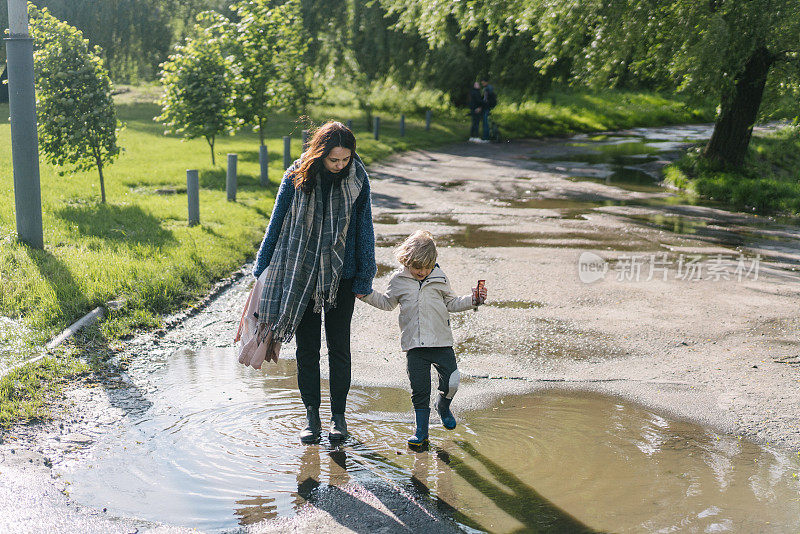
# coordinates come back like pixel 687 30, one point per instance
pixel 124 224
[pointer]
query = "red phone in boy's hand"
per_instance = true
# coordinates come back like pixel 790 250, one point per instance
pixel 478 298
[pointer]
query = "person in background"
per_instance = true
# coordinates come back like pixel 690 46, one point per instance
pixel 475 112
pixel 489 102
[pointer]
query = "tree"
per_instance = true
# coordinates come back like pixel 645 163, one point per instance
pixel 76 115
pixel 364 49
pixel 727 49
pixel 198 84
pixel 294 61
pixel 272 71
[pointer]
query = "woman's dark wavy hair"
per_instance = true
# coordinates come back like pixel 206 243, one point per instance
pixel 330 135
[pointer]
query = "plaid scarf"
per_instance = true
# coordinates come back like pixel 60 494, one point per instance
pixel 309 255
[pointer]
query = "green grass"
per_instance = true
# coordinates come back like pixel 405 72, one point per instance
pixel 25 393
pixel 767 183
pixel 565 113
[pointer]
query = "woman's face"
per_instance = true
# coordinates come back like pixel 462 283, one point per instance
pixel 337 159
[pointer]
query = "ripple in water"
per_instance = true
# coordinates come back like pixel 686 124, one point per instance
pixel 218 448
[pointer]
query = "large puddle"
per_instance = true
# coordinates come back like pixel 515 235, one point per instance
pixel 628 159
pixel 216 448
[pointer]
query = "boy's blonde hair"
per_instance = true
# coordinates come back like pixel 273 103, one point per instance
pixel 417 251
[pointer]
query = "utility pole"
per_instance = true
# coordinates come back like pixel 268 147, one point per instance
pixel 24 138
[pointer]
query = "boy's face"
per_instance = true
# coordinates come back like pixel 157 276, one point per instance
pixel 420 273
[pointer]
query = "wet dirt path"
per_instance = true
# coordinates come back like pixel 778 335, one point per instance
pixel 674 348
pixel 695 312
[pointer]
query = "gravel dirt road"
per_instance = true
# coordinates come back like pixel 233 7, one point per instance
pixel 684 334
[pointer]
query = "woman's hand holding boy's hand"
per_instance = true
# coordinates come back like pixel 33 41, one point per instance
pixel 478 297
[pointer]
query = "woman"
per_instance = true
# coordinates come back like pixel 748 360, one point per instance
pixel 319 252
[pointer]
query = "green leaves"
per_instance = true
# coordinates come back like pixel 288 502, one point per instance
pixel 271 59
pixel 76 117
pixel 198 83
pixel 228 74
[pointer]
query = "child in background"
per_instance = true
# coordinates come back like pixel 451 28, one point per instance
pixel 425 298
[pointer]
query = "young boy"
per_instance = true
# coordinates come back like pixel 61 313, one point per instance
pixel 425 298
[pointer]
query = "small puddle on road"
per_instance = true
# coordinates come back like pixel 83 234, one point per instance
pixel 630 179
pixel 217 449
pixel 478 236
pixel 515 304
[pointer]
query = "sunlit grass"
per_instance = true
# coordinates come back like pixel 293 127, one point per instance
pixel 25 393
pixel 767 183
pixel 565 113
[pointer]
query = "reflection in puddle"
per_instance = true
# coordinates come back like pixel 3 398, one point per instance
pixel 539 346
pixel 632 160
pixel 452 184
pixel 628 160
pixel 772 241
pixel 385 218
pixel 478 236
pixel 602 152
pixel 614 161
pixel 676 224
pixel 587 202
pixel 628 178
pixel 218 449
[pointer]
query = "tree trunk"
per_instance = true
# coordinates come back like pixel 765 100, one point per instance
pixel 367 109
pixel 99 162
pixel 102 181
pixel 734 126
pixel 368 117
pixel 261 130
pixel 210 141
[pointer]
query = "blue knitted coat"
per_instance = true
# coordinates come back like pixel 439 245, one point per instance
pixel 359 250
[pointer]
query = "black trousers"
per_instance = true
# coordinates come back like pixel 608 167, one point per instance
pixel 309 340
pixel 475 128
pixel 418 365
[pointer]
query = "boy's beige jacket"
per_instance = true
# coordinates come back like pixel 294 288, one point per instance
pixel 424 308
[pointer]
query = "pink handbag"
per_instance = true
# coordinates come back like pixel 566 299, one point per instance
pixel 251 351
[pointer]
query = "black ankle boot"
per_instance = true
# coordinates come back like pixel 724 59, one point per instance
pixel 338 431
pixel 313 430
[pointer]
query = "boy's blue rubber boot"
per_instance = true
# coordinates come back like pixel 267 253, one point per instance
pixel 443 407
pixel 420 437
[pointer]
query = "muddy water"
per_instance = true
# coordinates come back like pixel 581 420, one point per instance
pixel 630 159
pixel 217 448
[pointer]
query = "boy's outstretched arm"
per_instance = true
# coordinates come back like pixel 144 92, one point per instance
pixel 386 302
pixel 455 303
